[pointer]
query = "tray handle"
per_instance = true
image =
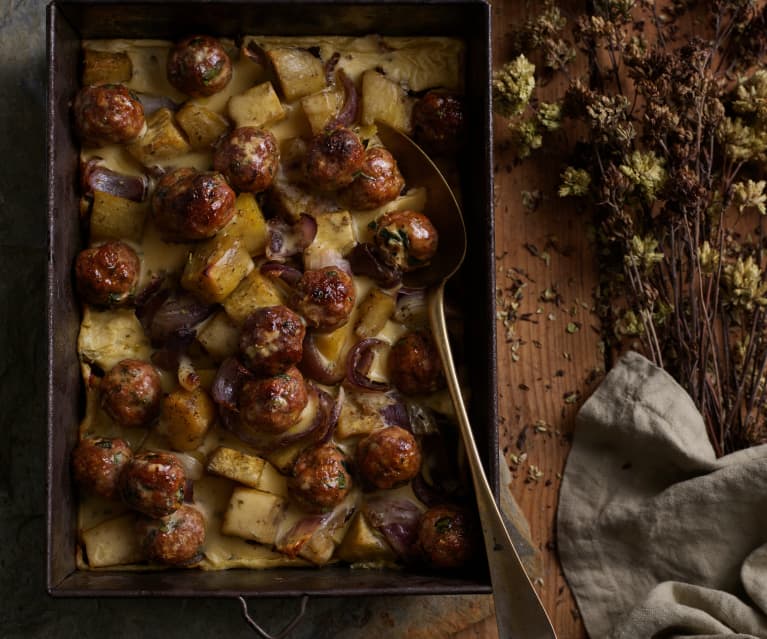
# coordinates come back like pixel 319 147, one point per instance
pixel 285 631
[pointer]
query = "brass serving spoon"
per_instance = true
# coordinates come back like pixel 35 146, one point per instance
pixel 518 610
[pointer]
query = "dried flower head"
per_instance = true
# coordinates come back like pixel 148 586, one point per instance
pixel 744 284
pixel 575 182
pixel 646 171
pixel 708 258
pixel 751 96
pixel 741 141
pixel 550 115
pixel 750 195
pixel 525 137
pixel 629 325
pixel 513 86
pixel 643 253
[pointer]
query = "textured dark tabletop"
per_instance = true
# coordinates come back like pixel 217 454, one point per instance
pixel 25 608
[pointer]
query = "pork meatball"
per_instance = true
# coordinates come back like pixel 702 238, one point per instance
pixel 153 483
pixel 388 457
pixel 175 539
pixel 320 479
pixel 325 297
pixel 271 340
pixel 97 463
pixel 414 364
pixel 407 239
pixel 199 66
pixel 107 275
pixel 249 158
pixel 131 393
pixel 107 114
pixel 438 122
pixel 377 182
pixel 446 536
pixel 333 158
pixel 189 205
pixel 273 404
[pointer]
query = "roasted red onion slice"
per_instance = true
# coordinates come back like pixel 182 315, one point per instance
pixel 330 67
pixel 397 520
pixel 152 103
pixel 358 364
pixel 293 541
pixel 287 274
pixel 255 53
pixel 396 414
pixel 366 259
pixel 227 383
pixel 98 178
pixel 334 412
pixel 316 366
pixel 347 114
pixel 286 240
pixel 176 318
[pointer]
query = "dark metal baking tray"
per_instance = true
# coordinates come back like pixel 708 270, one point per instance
pixel 71 21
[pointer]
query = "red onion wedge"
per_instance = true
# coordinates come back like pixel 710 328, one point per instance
pixel 347 114
pixel 358 363
pixel 366 259
pixel 286 240
pixel 177 317
pixel 316 366
pixel 227 383
pixel 152 103
pixel 288 275
pixel 330 67
pixel 397 520
pixel 98 178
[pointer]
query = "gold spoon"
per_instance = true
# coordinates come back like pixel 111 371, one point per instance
pixel 518 610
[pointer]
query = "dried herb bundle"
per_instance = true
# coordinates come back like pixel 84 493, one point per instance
pixel 674 164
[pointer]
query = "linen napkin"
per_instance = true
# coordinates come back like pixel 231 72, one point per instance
pixel 657 537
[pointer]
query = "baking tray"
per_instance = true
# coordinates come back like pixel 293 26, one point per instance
pixel 70 21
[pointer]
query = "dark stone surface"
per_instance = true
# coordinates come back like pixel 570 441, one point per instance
pixel 26 610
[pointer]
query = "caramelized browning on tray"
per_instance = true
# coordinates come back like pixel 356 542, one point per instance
pixel 260 390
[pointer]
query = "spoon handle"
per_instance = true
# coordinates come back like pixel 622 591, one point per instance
pixel 518 610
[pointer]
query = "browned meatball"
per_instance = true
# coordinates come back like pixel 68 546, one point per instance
pixel 325 297
pixel 107 114
pixel 190 205
pixel 272 340
pixel 199 66
pixel 414 364
pixel 131 393
pixel 153 483
pixel 333 158
pixel 249 158
pixel 107 275
pixel 273 404
pixel 408 239
pixel 388 457
pixel 320 479
pixel 175 539
pixel 438 122
pixel 97 463
pixel 447 537
pixel 377 182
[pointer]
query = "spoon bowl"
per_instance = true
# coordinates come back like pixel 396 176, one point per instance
pixel 518 610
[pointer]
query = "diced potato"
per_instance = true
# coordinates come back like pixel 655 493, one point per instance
pixel 333 346
pixel 385 100
pixel 254 514
pixel 271 481
pixel 374 312
pixel 254 292
pixel 298 71
pixel 202 126
pixel 283 458
pixel 335 233
pixel 258 106
pixel 114 217
pixel 113 542
pixel 237 466
pixel 106 337
pixel 320 108
pixel 186 418
pixel 220 337
pixel 363 543
pixel 162 140
pixel 290 200
pixel 216 267
pixel 249 224
pixel 354 421
pixel 105 67
pixel 319 549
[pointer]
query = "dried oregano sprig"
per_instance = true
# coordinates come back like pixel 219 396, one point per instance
pixel 674 164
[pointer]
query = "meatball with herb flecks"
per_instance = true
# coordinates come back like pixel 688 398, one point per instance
pixel 190 205
pixel 414 364
pixel 107 114
pixel 199 66
pixel 438 121
pixel 248 158
pixel 320 480
pixel 377 182
pixel 271 340
pixel 324 297
pixel 408 239
pixel 447 536
pixel 131 393
pixel 153 483
pixel 388 457
pixel 273 404
pixel 333 159
pixel 175 539
pixel 97 463
pixel 107 275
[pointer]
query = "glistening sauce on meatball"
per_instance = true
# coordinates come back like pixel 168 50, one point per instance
pixel 320 479
pixel 273 404
pixel 97 463
pixel 108 114
pixel 408 239
pixel 414 364
pixel 447 536
pixel 377 182
pixel 333 158
pixel 325 297
pixel 131 393
pixel 107 275
pixel 199 66
pixel 153 483
pixel 248 158
pixel 388 457
pixel 271 340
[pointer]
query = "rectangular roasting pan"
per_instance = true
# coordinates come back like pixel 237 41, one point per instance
pixel 70 21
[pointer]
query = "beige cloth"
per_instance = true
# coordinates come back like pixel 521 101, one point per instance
pixel 657 537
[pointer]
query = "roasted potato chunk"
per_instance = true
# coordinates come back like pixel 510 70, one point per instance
pixel 254 514
pixel 249 224
pixel 220 337
pixel 162 140
pixel 185 418
pixel 237 466
pixel 201 126
pixel 385 100
pixel 375 310
pixel 216 267
pixel 257 107
pixel 298 71
pixel 255 291
pixel 116 218
pixel 106 67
